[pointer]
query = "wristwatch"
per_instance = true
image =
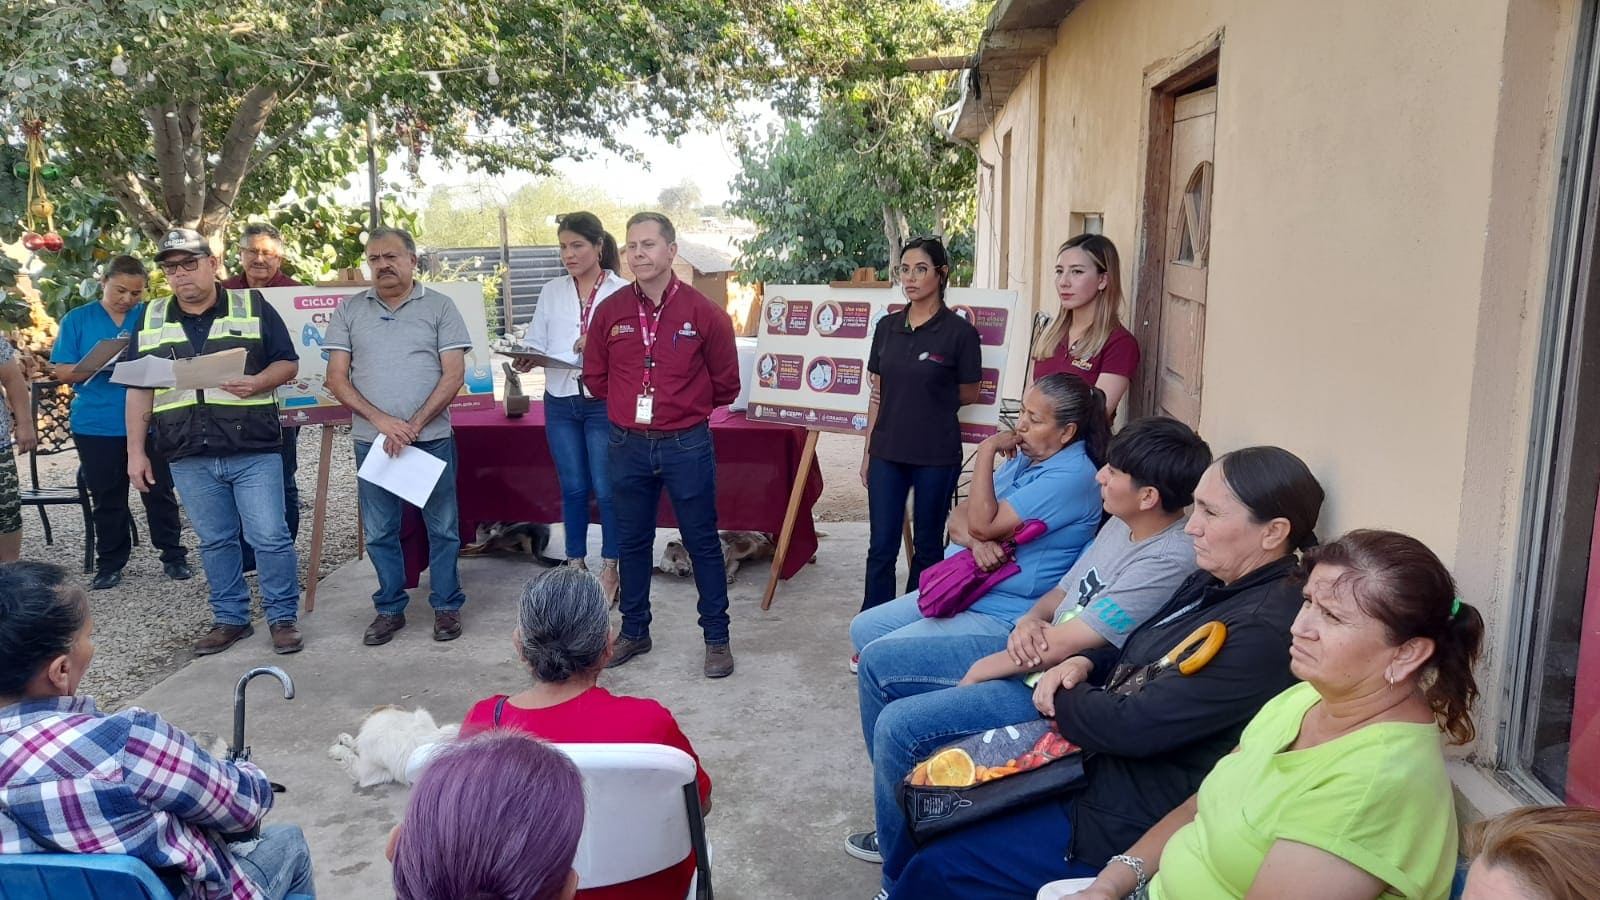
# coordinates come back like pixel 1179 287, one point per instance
pixel 1134 863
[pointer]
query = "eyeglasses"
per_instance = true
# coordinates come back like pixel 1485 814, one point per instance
pixel 919 270
pixel 187 265
pixel 260 254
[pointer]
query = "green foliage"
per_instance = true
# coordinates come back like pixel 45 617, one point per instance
pixel 320 237
pixel 842 187
pixel 184 111
pixel 681 203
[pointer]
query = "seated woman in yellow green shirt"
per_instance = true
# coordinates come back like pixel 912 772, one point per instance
pixel 1337 790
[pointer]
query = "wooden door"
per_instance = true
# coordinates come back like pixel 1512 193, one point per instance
pixel 1180 347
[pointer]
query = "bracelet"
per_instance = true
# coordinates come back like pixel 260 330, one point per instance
pixel 1134 863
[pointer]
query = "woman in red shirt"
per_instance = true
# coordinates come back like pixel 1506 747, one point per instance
pixel 564 635
pixel 1086 337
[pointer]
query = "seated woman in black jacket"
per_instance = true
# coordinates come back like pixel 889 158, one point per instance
pixel 1148 751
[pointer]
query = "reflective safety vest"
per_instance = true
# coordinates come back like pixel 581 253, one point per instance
pixel 211 423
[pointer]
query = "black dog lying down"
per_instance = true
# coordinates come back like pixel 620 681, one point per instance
pixel 521 538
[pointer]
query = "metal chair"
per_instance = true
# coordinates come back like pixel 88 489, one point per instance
pixel 78 876
pixel 51 402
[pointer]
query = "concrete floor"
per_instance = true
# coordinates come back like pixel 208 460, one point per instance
pixel 780 738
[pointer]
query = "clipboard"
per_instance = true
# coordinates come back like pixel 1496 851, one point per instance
pixel 102 355
pixel 538 358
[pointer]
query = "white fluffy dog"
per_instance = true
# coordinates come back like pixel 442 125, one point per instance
pixel 379 753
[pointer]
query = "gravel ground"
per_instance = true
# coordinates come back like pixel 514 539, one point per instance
pixel 143 627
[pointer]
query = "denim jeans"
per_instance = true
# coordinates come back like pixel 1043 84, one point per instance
pixel 279 863
pixel 289 452
pixel 578 432
pixel 380 517
pixel 686 466
pixel 1009 856
pixel 888 485
pixel 910 705
pixel 223 493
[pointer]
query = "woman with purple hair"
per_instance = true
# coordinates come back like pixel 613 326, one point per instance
pixel 496 817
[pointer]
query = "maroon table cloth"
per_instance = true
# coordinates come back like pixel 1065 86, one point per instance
pixel 504 473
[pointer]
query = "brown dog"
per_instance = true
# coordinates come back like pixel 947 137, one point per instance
pixel 737 547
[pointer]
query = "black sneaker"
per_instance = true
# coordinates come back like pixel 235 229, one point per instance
pixel 105 581
pixel 863 845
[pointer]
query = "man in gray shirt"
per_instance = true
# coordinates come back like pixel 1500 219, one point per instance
pixel 396 358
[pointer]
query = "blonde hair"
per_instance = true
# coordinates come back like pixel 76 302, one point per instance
pixel 1549 849
pixel 1106 318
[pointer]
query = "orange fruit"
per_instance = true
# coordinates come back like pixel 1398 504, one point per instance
pixel 952 768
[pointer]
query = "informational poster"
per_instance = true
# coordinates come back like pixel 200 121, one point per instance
pixel 308 310
pixel 812 348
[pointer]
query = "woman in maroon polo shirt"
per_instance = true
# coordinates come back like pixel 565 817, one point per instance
pixel 1086 337
pixel 925 366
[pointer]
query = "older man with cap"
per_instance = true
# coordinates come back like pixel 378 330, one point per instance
pixel 222 443
pixel 261 264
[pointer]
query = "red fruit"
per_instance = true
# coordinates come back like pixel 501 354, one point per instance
pixel 52 242
pixel 32 241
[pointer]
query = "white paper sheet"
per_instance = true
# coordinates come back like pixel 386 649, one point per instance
pixel 144 372
pixel 193 373
pixel 409 476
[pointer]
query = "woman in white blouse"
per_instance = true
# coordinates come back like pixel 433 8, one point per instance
pixel 575 422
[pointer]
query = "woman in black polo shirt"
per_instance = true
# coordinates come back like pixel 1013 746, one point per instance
pixel 925 366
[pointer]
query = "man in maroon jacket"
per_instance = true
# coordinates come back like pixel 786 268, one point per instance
pixel 662 356
pixel 261 265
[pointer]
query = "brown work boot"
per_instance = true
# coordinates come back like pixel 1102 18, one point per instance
pixel 719 661
pixel 221 637
pixel 446 624
pixel 627 648
pixel 286 637
pixel 382 629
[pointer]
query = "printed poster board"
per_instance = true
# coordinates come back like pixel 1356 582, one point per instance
pixel 307 311
pixel 812 345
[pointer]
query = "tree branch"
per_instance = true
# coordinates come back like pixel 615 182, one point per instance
pixel 194 163
pixel 130 194
pixel 237 147
pixel 169 155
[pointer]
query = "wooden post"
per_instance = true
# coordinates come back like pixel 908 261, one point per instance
pixel 796 494
pixel 319 517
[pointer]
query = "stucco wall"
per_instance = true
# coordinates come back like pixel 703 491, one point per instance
pixel 1380 232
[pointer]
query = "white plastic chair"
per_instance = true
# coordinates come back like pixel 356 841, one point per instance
pixel 642 814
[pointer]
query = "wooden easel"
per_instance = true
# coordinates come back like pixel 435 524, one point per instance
pixel 319 510
pixel 860 278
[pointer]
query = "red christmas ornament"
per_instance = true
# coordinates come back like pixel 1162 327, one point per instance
pixel 33 241
pixel 52 242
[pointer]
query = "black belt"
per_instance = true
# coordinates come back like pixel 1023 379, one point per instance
pixel 661 435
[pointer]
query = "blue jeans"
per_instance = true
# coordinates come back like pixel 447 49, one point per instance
pixel 911 706
pixel 380 517
pixel 1010 856
pixel 578 432
pixel 686 466
pixel 888 485
pixel 290 453
pixel 223 493
pixel 279 863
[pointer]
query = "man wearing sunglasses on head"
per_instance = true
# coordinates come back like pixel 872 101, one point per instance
pixel 222 443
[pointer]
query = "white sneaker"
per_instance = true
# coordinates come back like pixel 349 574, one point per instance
pixel 855 663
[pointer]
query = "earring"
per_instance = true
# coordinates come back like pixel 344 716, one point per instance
pixel 1387 676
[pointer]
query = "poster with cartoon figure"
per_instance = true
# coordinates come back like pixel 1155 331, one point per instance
pixel 307 310
pixel 812 349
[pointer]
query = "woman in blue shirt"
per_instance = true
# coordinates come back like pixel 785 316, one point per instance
pixel 99 429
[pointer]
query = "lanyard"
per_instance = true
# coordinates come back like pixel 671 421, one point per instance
pixel 648 326
pixel 588 306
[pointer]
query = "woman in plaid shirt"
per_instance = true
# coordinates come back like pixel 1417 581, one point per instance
pixel 75 780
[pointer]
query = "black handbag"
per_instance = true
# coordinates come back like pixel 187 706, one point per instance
pixel 1003 769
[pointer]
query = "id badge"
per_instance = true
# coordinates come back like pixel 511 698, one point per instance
pixel 644 409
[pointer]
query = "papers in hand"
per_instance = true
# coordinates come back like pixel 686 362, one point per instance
pixel 409 476
pixel 195 373
pixel 102 355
